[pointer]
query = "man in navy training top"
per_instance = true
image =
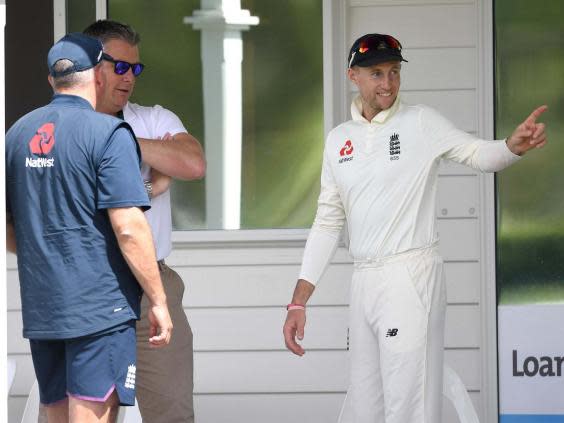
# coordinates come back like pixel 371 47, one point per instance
pixel 75 203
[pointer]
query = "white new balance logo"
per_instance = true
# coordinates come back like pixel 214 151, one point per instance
pixel 130 378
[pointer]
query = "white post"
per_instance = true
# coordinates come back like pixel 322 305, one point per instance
pixel 3 289
pixel 59 19
pixel 101 9
pixel 221 23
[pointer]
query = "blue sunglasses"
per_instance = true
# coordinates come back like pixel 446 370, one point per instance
pixel 121 67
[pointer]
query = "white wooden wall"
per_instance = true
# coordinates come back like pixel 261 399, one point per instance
pixel 238 282
pixel 235 296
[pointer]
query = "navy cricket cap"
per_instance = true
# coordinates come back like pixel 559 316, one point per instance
pixel 372 49
pixel 83 51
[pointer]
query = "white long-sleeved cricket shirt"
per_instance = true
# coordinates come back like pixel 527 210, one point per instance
pixel 381 176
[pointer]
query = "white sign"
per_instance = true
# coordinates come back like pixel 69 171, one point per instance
pixel 531 362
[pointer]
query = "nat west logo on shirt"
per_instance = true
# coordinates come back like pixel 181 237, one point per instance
pixel 41 144
pixel 394 147
pixel 346 152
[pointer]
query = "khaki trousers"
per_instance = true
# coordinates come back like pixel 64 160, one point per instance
pixel 165 375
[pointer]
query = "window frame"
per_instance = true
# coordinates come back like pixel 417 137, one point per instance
pixel 334 111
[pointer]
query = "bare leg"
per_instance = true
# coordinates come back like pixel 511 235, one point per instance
pixel 114 410
pixel 56 413
pixel 82 411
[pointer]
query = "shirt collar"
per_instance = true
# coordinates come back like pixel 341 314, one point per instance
pixel 380 118
pixel 128 113
pixel 71 100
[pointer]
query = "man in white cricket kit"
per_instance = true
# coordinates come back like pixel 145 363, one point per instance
pixel 380 175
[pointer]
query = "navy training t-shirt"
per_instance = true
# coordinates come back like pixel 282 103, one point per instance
pixel 65 165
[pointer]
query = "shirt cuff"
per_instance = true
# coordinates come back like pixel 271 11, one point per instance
pixel 495 156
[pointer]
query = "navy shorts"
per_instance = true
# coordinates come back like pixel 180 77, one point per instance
pixel 88 368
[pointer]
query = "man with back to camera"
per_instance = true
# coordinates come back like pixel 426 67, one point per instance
pixel 75 218
pixel 380 174
pixel 167 151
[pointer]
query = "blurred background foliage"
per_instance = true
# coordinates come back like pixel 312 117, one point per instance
pixel 529 73
pixel 282 103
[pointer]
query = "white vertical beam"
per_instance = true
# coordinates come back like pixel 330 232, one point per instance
pixel 488 300
pixel 59 19
pixel 101 9
pixel 3 289
pixel 334 64
pixel 335 86
pixel 221 23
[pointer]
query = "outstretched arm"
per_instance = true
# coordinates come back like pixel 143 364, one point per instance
pixel 529 134
pixel 486 156
pixel 180 156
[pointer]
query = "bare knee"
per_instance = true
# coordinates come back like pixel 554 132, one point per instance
pixel 54 413
pixel 82 411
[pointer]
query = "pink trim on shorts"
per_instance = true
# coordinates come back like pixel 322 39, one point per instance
pixel 96 399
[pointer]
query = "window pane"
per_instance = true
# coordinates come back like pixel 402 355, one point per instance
pixel 172 78
pixel 80 14
pixel 529 73
pixel 282 114
pixel 282 103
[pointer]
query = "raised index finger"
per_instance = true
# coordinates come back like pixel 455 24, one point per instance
pixel 536 113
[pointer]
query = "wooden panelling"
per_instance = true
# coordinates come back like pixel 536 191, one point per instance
pixel 271 408
pixel 459 106
pixel 25 375
pixel 281 408
pixel 281 371
pixel 457 197
pixel 440 69
pixel 418 26
pixel 16 406
pixel 463 282
pixel 260 285
pixel 262 407
pixel 260 328
pixel 459 239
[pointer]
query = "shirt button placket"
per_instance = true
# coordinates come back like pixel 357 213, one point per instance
pixel 370 138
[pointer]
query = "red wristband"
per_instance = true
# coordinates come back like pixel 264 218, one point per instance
pixel 291 307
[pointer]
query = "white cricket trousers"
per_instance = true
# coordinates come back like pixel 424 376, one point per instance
pixel 396 337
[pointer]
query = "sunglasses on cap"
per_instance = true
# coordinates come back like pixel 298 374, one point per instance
pixel 374 43
pixel 121 67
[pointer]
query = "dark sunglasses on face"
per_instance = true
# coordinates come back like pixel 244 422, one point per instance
pixel 121 67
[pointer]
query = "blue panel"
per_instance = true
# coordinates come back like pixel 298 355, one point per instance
pixel 531 418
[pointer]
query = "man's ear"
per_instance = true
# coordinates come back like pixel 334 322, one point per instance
pixel 98 78
pixel 352 74
pixel 51 82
